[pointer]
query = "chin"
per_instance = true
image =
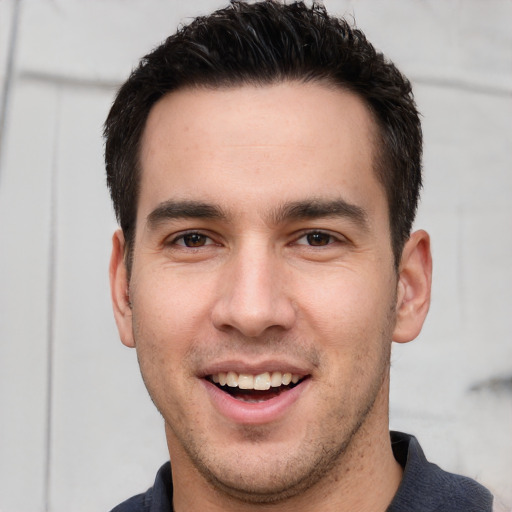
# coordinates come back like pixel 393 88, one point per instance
pixel 273 475
pixel 258 486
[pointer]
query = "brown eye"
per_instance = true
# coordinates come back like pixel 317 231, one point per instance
pixel 193 240
pixel 318 239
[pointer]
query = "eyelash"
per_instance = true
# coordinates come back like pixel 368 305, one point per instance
pixel 209 241
pixel 332 238
pixel 182 236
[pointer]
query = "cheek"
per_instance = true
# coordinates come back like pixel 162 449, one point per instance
pixel 348 308
pixel 163 329
pixel 168 304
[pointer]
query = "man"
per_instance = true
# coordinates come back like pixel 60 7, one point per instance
pixel 265 167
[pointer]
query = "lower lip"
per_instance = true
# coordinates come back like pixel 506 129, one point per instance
pixel 255 413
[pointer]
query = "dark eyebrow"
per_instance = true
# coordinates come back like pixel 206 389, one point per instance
pixel 296 210
pixel 183 210
pixel 321 208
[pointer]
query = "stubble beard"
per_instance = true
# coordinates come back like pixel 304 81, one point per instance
pixel 294 478
pixel 323 461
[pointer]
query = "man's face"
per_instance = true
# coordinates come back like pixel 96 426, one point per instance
pixel 262 254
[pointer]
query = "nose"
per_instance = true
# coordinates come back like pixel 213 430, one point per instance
pixel 253 295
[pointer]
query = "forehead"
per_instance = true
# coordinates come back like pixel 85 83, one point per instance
pixel 280 141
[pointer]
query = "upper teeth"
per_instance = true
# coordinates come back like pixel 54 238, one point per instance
pixel 262 382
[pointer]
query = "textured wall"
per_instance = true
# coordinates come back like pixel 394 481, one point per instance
pixel 77 430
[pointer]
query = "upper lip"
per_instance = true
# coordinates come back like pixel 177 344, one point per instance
pixel 238 366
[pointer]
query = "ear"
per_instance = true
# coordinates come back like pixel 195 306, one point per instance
pixel 119 290
pixel 414 285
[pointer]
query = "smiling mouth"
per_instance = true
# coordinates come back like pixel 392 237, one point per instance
pixel 255 388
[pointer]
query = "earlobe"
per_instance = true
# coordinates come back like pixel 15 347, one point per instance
pixel 119 290
pixel 414 285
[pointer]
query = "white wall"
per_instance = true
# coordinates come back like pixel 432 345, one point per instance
pixel 77 429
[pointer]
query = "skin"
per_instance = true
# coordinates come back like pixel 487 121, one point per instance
pixel 258 288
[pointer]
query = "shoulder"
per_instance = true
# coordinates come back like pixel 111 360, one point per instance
pixel 435 489
pixel 156 499
pixel 139 503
